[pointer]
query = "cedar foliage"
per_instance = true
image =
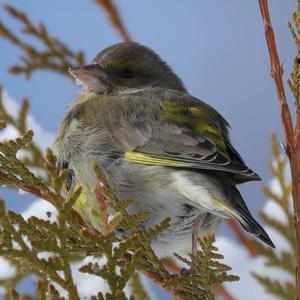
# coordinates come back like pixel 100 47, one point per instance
pixel 56 57
pixel 36 159
pixel 282 259
pixel 206 269
pixel 23 241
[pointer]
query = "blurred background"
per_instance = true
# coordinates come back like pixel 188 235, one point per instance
pixel 217 48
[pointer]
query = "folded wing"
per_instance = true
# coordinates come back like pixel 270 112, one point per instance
pixel 188 133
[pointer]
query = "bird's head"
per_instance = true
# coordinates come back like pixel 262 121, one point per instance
pixel 126 66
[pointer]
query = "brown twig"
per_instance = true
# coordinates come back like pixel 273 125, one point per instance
pixel 114 17
pixel 103 206
pixel 276 73
pixel 222 292
pixel 108 227
pixel 160 282
pixel 244 240
pixel 171 265
pixel 291 135
pixel 48 196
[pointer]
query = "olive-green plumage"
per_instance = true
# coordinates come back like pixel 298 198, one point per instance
pixel 156 143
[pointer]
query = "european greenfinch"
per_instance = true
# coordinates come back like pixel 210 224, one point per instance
pixel 167 150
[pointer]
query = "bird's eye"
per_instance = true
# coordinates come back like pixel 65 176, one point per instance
pixel 127 73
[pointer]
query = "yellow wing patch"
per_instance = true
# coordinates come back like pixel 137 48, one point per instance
pixel 148 159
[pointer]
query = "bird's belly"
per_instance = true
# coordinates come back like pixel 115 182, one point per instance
pixel 178 236
pixel 152 189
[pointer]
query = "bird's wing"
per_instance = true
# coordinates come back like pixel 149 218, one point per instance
pixel 188 133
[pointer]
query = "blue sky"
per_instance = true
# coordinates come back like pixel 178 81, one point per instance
pixel 216 47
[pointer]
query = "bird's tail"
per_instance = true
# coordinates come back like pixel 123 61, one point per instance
pixel 247 221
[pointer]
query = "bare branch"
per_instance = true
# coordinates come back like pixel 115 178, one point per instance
pixel 114 18
pixel 292 137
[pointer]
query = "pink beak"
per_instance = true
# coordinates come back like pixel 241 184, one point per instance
pixel 92 77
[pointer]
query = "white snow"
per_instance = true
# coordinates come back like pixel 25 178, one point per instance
pixel 41 137
pixel 89 285
pixel 7 270
pixel 40 208
pixel 8 267
pixel 242 265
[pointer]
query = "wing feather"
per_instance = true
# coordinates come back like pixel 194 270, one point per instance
pixel 188 133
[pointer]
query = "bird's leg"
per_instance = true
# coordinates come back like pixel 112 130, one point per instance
pixel 199 220
pixel 196 224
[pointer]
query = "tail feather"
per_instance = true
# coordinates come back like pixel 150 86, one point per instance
pixel 252 226
pixel 248 222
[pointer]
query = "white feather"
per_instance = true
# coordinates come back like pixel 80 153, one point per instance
pixel 200 196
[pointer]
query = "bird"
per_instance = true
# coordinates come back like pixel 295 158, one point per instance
pixel 156 144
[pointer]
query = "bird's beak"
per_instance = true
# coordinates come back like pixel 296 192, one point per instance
pixel 92 77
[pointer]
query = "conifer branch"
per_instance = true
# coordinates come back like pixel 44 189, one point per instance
pixel 56 57
pixel 206 271
pixel 291 133
pixel 65 238
pixel 36 159
pixel 219 290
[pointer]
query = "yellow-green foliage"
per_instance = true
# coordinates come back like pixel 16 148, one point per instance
pixel 206 271
pixel 283 259
pixel 36 159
